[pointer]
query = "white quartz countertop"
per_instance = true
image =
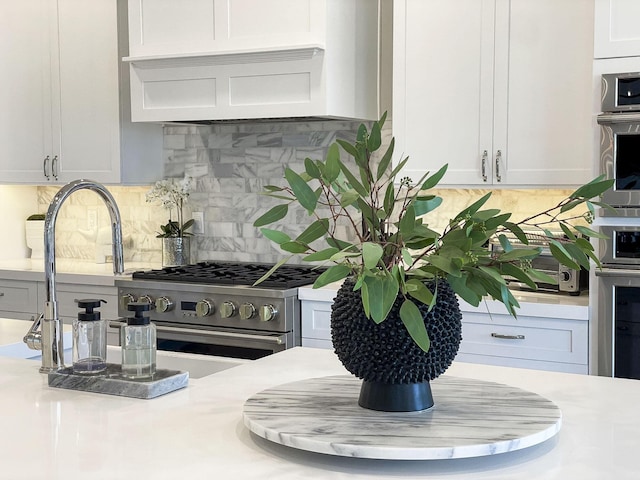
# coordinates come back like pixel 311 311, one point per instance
pixel 198 432
pixel 67 270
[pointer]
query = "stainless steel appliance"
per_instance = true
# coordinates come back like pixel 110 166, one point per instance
pixel 620 140
pixel 212 308
pixel 619 322
pixel 567 280
pixel 618 329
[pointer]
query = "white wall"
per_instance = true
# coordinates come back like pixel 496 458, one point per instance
pixel 16 204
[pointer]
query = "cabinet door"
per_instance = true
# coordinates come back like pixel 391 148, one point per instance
pixel 542 118
pixel 617 30
pixel 443 87
pixel 166 27
pixel 87 80
pixel 25 96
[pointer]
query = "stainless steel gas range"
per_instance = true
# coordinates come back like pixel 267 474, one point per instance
pixel 212 308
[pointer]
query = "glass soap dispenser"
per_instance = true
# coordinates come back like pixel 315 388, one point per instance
pixel 89 339
pixel 138 340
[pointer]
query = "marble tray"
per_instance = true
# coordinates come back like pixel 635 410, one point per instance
pixel 470 418
pixel 112 383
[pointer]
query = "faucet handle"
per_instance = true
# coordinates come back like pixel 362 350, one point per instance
pixel 33 338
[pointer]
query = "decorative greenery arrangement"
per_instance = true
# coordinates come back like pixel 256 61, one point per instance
pixel 173 194
pixel 396 251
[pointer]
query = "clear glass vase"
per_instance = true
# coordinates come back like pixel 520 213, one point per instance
pixel 176 251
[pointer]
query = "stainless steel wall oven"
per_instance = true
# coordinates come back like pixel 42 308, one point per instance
pixel 620 139
pixel 619 280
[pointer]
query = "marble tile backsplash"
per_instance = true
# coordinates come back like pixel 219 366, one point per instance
pixel 232 164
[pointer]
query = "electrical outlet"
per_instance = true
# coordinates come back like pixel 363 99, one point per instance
pixel 92 219
pixel 198 223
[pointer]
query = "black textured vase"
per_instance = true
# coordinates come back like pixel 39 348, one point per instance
pixel 395 371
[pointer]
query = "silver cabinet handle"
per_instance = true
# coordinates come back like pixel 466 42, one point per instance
pixel 507 337
pixel 484 165
pixel 498 158
pixel 54 167
pixel 44 167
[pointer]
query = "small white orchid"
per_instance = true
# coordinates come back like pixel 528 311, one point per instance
pixel 172 193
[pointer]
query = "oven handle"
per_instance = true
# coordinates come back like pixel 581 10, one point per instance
pixel 279 340
pixel 618 272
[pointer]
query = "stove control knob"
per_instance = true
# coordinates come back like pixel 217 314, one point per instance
pixel 145 299
pixel 247 311
pixel 204 308
pixel 125 300
pixel 268 313
pixel 164 304
pixel 227 309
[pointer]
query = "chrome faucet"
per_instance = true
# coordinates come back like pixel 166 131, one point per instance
pixel 50 337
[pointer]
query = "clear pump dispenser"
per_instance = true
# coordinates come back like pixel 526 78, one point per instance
pixel 89 339
pixel 138 340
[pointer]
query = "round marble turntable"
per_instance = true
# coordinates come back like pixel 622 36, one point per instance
pixel 470 418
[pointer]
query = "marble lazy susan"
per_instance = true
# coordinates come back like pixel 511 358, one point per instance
pixel 470 418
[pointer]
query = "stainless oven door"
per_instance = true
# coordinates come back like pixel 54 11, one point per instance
pixel 619 147
pixel 619 322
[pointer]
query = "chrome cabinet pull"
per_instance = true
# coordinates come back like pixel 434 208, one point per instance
pixel 498 158
pixel 44 167
pixel 507 337
pixel 484 166
pixel 54 167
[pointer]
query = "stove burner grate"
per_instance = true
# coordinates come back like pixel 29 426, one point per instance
pixel 235 273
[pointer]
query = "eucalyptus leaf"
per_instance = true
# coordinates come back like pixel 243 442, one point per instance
pixel 371 254
pixel 385 160
pixel 311 168
pixel 332 165
pixel 383 291
pixel 322 255
pixel 273 215
pixel 414 323
pixel 275 235
pixel 303 192
pixel 434 179
pixel 314 231
pixel 332 274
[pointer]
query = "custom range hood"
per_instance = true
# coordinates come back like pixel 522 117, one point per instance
pixel 208 61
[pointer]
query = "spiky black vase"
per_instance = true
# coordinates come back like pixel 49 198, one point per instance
pixel 395 371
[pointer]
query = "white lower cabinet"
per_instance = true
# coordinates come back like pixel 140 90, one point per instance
pixel 18 299
pixel 537 339
pixel 24 299
pixel 316 324
pixel 528 341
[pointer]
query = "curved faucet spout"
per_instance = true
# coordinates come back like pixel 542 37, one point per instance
pixel 51 337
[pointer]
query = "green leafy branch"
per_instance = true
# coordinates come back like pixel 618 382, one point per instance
pixel 395 252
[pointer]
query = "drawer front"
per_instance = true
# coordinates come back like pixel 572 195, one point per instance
pixel 19 296
pixel 68 293
pixel 316 320
pixel 527 338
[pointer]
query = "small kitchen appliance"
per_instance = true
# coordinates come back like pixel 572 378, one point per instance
pixel 568 280
pixel 212 307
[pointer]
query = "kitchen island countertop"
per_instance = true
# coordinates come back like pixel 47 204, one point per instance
pixel 198 432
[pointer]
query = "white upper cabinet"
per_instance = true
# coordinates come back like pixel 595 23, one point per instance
pixel 617 28
pixel 500 90
pixel 61 98
pixel 200 60
pixel 167 27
